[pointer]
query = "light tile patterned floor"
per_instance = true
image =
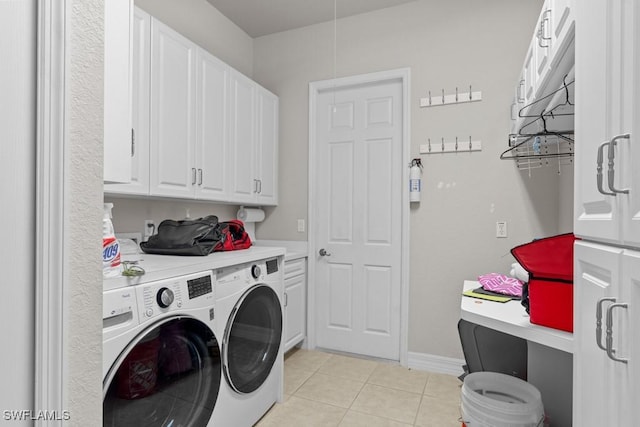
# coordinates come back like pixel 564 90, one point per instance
pixel 323 389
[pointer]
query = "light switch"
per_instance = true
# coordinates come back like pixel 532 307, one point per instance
pixel 501 229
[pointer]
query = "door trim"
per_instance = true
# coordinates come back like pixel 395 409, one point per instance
pixel 404 75
pixel 51 311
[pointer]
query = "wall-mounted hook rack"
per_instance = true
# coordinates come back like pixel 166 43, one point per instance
pixel 458 146
pixel 453 98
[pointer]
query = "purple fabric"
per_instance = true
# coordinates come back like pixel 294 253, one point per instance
pixel 501 284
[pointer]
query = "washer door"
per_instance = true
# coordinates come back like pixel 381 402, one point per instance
pixel 252 339
pixel 168 376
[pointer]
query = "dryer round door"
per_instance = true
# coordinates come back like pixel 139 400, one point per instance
pixel 169 375
pixel 252 339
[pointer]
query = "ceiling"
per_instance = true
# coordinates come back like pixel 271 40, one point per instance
pixel 261 17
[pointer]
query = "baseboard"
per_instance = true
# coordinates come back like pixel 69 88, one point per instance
pixel 437 364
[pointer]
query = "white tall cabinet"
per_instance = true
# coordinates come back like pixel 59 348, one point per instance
pixel 607 213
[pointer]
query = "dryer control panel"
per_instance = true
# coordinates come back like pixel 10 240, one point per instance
pixel 182 293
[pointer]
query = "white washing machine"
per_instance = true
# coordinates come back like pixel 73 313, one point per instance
pixel 161 355
pixel 249 297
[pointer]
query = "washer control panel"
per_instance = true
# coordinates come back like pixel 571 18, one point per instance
pixel 179 293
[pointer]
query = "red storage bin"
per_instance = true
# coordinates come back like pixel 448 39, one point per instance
pixel 549 262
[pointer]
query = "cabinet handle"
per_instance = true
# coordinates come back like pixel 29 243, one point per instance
pixel 541 32
pixel 520 91
pixel 599 169
pixel 599 321
pixel 255 185
pixel 193 176
pixel 610 350
pixel 513 106
pixel 133 142
pixel 611 172
pixel 286 299
pixel 259 186
pixel 199 176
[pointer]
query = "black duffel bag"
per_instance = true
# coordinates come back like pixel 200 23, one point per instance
pixel 185 237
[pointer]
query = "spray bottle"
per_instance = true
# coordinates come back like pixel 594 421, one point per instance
pixel 110 247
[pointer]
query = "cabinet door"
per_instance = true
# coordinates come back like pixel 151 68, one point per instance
pixel 630 346
pixel 597 105
pixel 242 146
pixel 295 310
pixel 267 136
pixel 562 26
pixel 628 157
pixel 597 380
pixel 542 49
pixel 212 127
pixel 117 91
pixel 140 81
pixel 172 172
pixel 529 75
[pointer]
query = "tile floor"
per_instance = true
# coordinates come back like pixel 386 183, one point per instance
pixel 324 389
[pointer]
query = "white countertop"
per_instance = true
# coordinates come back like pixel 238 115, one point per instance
pixel 158 267
pixel 511 318
pixel 295 249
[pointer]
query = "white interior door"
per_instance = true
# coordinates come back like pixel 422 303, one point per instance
pixel 359 131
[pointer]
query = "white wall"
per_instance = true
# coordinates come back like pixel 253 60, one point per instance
pixel 204 25
pixel 446 44
pixel 129 214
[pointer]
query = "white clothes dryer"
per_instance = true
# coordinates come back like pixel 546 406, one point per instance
pixel 161 355
pixel 249 297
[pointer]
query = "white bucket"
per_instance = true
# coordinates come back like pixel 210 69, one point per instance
pixel 490 399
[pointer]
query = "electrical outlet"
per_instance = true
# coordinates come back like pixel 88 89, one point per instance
pixel 149 228
pixel 501 228
pixel 301 226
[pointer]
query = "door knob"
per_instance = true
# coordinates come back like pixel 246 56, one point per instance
pixel 322 252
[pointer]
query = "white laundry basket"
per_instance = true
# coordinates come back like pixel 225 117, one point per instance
pixel 490 399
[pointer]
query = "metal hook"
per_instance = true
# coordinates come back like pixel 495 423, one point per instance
pixel 456 143
pixel 470 145
pixel 470 93
pixel 443 145
pixel 443 96
pixel 429 97
pixel 456 94
pixel 429 144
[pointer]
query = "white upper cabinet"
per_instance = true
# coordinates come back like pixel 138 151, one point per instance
pixel 562 27
pixel 140 85
pixel 542 46
pixel 267 152
pixel 548 60
pixel 173 113
pixel 607 204
pixel 202 130
pixel 244 185
pixel 212 131
pixel 253 150
pixel 117 91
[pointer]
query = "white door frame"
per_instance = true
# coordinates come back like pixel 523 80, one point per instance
pixel 403 74
pixel 51 309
